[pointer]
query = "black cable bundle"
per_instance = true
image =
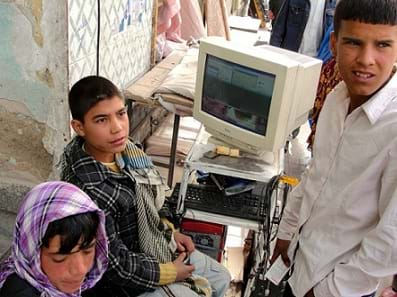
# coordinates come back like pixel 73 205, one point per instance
pixel 263 287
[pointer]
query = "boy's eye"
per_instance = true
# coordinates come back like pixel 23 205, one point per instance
pixel 383 44
pixel 88 251
pixel 351 42
pixel 100 120
pixel 59 258
pixel 123 112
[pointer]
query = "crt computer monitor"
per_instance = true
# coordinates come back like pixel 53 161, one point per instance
pixel 253 97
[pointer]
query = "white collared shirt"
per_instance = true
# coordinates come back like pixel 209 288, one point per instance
pixel 346 204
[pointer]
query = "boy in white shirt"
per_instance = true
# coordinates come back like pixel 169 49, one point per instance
pixel 339 228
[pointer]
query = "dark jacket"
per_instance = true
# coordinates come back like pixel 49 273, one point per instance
pixel 130 271
pixel 14 286
pixel 291 22
pixel 275 5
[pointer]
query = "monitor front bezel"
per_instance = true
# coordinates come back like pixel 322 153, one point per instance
pixel 284 71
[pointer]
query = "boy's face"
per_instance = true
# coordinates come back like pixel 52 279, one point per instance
pixel 105 129
pixel 365 54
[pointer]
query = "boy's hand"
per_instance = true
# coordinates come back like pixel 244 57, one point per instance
pixel 184 243
pixel 281 248
pixel 388 292
pixel 183 271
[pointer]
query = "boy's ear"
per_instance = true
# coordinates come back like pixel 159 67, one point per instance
pixel 78 127
pixel 332 44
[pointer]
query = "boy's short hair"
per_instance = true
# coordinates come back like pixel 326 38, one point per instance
pixel 87 92
pixel 376 12
pixel 76 229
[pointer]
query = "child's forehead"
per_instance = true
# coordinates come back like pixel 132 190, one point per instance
pixel 360 27
pixel 355 22
pixel 55 245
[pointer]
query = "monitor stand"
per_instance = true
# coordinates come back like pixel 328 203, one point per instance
pixel 266 156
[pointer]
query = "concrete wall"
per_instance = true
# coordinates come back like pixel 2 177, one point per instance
pixel 34 117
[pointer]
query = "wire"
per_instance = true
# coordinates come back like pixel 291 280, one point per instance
pixel 277 219
pixel 271 187
pixel 266 224
pixel 271 219
pixel 98 36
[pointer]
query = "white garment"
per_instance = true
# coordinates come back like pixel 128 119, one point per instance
pixel 346 204
pixel 313 32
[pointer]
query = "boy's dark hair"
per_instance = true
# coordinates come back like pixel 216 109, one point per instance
pixel 87 92
pixel 376 12
pixel 76 229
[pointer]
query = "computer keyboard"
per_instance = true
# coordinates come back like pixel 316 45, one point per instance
pixel 210 199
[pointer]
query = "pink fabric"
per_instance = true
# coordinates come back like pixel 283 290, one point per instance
pixel 192 20
pixel 169 20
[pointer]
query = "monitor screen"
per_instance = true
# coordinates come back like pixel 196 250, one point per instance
pixel 250 97
pixel 237 94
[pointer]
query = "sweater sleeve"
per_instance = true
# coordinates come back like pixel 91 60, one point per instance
pixel 167 273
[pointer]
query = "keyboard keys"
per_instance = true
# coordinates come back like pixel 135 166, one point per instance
pixel 210 199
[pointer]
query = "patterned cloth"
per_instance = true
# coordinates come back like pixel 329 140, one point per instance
pixel 329 78
pixel 154 236
pixel 45 203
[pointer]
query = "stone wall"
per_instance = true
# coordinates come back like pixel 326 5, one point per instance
pixel 34 117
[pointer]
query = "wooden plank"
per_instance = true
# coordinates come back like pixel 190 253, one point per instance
pixel 154 33
pixel 177 99
pixel 143 89
pixel 260 13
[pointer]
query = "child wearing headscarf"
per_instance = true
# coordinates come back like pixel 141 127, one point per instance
pixel 59 245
